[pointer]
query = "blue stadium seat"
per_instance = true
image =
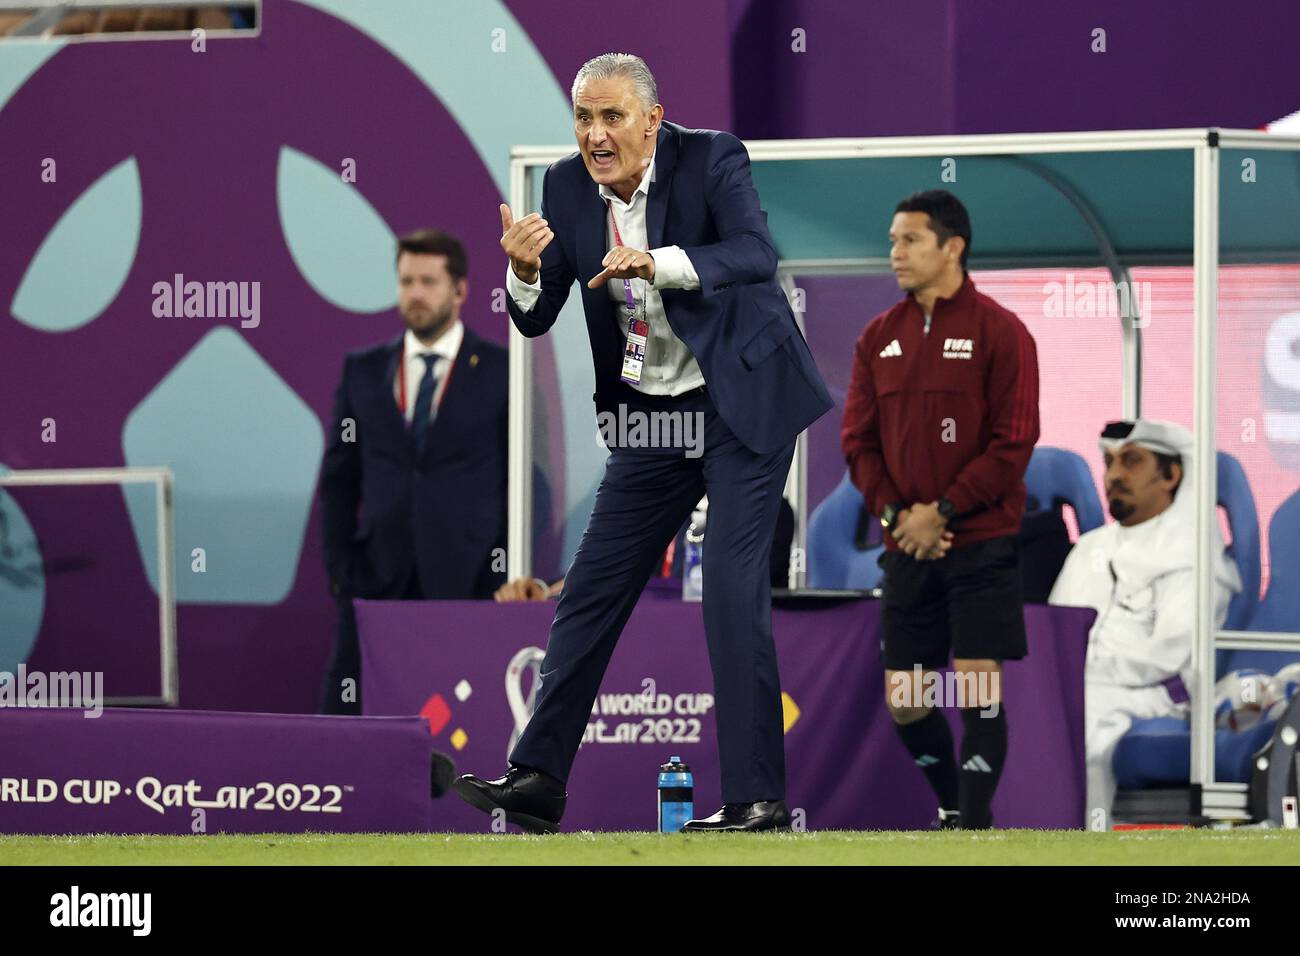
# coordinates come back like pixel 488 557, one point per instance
pixel 833 560
pixel 1157 753
pixel 1280 608
pixel 1054 476
pixel 1235 497
pixel 1058 476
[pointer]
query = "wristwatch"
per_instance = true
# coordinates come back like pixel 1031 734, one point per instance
pixel 946 509
pixel 889 516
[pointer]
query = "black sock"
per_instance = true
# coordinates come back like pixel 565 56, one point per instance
pixel 983 752
pixel 929 741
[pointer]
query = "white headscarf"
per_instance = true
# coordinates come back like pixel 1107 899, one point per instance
pixel 1172 545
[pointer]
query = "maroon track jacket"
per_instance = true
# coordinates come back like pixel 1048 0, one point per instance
pixel 949 414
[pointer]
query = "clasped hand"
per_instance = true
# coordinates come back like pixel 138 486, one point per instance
pixel 921 532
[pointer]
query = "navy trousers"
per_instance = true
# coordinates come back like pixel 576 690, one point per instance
pixel 645 495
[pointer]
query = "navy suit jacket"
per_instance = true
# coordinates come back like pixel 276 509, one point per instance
pixel 386 508
pixel 738 324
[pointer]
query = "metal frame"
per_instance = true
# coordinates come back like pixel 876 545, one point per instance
pixel 161 478
pixel 1214 799
pixel 796 482
pixel 1130 320
pixel 519 466
pixel 1205 292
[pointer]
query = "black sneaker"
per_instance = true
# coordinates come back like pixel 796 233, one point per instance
pixel 947 820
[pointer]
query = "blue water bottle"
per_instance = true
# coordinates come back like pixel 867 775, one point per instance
pixel 676 795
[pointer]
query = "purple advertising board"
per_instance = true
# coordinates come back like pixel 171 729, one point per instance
pixel 463 665
pixel 183 772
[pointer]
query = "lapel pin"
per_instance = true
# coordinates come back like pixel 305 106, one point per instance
pixel 473 360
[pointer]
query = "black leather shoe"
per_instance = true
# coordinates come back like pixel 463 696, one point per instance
pixel 748 817
pixel 532 800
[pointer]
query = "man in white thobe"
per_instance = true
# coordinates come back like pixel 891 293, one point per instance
pixel 1137 573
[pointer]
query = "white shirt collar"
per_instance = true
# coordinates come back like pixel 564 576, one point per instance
pixel 448 345
pixel 642 187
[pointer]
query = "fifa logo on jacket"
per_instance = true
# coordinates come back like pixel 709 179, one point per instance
pixel 958 348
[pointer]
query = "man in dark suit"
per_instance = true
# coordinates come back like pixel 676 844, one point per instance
pixel 663 227
pixel 413 486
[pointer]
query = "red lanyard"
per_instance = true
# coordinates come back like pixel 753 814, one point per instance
pixel 401 384
pixel 627 283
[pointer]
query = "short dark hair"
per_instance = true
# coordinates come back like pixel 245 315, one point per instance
pixel 1166 465
pixel 435 242
pixel 948 217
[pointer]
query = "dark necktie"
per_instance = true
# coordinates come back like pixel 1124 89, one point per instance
pixel 424 401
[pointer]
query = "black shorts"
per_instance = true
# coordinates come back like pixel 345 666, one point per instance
pixel 967 603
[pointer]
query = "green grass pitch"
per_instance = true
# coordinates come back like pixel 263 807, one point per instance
pixel 827 847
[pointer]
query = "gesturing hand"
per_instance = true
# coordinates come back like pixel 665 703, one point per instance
pixel 523 242
pixel 624 263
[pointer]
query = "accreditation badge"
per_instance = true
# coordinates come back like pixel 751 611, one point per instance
pixel 638 332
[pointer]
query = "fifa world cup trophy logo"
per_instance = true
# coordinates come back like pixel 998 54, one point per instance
pixel 521 707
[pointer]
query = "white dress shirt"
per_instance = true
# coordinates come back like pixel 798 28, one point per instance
pixel 670 368
pixel 413 350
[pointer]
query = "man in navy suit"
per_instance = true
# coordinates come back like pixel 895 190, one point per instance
pixel 413 485
pixel 663 227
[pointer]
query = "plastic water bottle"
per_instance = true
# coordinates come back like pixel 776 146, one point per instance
pixel 676 795
pixel 693 558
